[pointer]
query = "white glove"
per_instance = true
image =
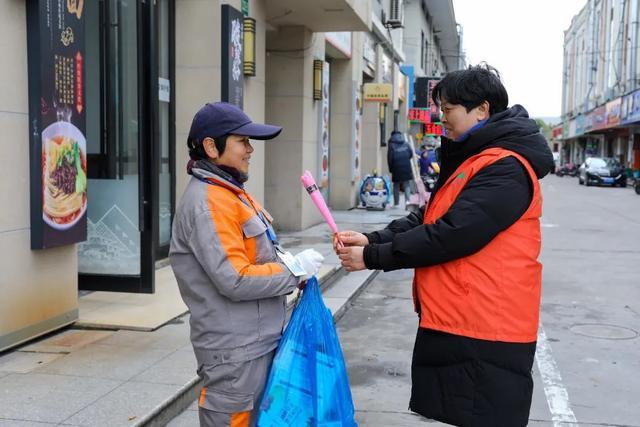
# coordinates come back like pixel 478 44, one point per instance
pixel 310 260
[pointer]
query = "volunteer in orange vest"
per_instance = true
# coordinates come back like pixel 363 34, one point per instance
pixel 232 273
pixel 475 252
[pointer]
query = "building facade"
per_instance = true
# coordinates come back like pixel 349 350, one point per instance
pixel 433 47
pixel 600 98
pixel 136 72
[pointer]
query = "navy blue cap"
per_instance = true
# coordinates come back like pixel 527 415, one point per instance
pixel 221 118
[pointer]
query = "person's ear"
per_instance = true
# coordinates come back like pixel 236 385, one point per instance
pixel 483 111
pixel 210 148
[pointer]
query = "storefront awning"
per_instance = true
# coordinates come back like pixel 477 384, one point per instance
pixel 320 15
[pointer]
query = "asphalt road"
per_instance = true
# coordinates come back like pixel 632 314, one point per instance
pixel 587 369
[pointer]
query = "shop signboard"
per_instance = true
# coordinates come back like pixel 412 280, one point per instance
pixel 377 92
pixel 369 54
pixel 57 133
pixel 572 128
pixel 424 89
pixel 401 84
pixel 588 122
pixel 599 118
pixel 433 129
pixel 632 110
pixel 232 65
pixel 407 70
pixel 613 112
pixel 419 115
pixel 387 69
pixel 580 120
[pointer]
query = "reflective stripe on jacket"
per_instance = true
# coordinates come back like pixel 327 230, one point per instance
pixel 228 272
pixel 493 294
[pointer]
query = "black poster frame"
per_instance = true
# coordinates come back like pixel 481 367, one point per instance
pixel 55 55
pixel 232 56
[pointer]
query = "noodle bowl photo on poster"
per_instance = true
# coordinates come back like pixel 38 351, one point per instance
pixel 64 175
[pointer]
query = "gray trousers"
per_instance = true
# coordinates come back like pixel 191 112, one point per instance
pixel 396 191
pixel 232 391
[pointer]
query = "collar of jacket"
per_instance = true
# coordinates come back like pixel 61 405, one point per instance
pixel 475 127
pixel 217 179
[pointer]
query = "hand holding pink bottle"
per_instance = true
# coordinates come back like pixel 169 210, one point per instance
pixel 312 188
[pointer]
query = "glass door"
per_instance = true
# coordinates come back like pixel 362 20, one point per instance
pixel 125 145
pixel 166 143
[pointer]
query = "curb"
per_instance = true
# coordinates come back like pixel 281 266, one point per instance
pixel 188 393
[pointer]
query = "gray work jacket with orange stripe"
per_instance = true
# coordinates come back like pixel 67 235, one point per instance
pixel 228 272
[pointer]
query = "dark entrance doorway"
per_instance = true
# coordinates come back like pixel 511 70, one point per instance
pixel 130 143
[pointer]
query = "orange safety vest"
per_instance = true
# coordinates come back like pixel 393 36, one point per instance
pixel 493 294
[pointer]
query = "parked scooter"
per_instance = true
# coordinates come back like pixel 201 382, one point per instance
pixel 567 169
pixel 636 185
pixel 430 179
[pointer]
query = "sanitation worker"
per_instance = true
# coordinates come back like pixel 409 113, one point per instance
pixel 231 272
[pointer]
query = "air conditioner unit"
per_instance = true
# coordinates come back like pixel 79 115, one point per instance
pixel 395 14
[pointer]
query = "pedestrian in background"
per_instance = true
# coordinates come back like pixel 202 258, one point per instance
pixel 232 274
pixel 427 157
pixel 475 253
pixel 399 155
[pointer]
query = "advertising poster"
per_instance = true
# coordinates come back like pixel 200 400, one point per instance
pixel 232 65
pixel 355 176
pixel 323 175
pixel 58 148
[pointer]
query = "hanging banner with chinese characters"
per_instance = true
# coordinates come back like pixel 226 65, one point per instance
pixel 323 173
pixel 232 65
pixel 57 144
pixel 355 158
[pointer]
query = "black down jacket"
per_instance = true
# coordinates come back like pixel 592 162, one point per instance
pixel 399 155
pixel 457 379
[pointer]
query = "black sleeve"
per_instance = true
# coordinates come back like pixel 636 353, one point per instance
pixel 396 226
pixel 492 201
pixel 389 156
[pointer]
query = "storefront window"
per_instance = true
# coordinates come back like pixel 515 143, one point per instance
pixel 113 240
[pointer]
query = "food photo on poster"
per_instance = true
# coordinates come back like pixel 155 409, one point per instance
pixel 64 175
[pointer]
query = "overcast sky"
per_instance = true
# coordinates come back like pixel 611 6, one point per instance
pixel 523 39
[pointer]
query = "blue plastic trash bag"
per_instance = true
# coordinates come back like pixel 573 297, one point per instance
pixel 308 384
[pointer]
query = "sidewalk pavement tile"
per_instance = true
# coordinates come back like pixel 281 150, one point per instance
pixel 134 311
pixel 393 418
pixel 348 285
pixel 18 423
pixel 67 341
pixel 188 418
pixel 131 399
pixel 49 398
pixel 177 368
pixel 21 362
pixel 105 361
pixel 170 337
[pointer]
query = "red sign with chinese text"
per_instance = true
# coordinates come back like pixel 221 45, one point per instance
pixel 433 129
pixel 420 115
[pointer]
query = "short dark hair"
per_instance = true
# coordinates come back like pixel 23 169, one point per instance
pixel 196 148
pixel 471 87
